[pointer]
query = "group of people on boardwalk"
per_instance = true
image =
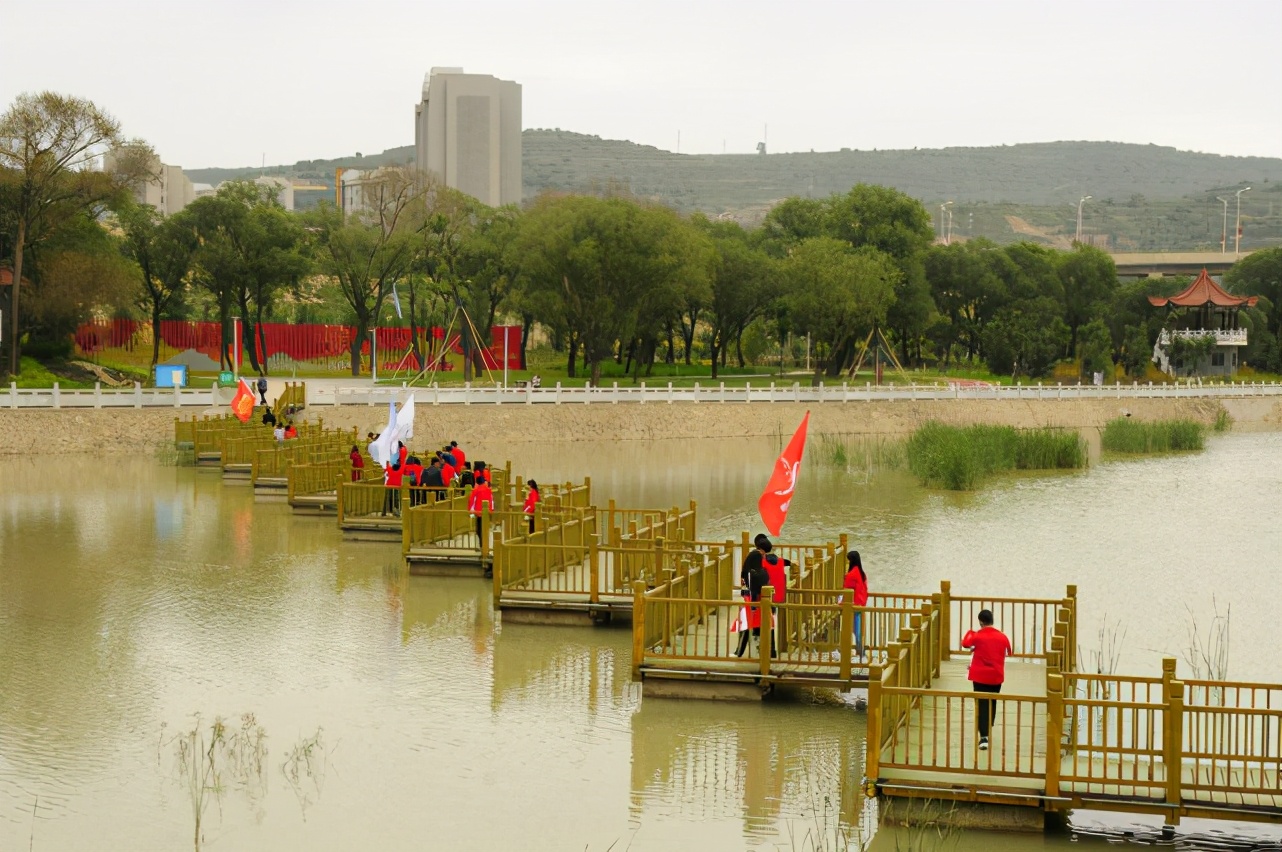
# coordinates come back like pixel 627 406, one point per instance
pixel 447 468
pixel 763 568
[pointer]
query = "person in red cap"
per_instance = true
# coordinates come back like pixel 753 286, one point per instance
pixel 989 649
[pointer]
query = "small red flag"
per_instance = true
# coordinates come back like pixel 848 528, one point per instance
pixel 774 502
pixel 242 404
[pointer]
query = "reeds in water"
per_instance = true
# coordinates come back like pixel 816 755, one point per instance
pixel 959 458
pixel 1124 435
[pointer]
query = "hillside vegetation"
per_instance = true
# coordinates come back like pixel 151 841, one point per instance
pixel 1144 197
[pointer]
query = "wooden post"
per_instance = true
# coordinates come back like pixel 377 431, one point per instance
pixel 1070 641
pixel 638 628
pixel 594 570
pixel 407 523
pixel 339 500
pixel 1054 730
pixel 872 739
pixel 767 632
pixel 845 648
pixel 1173 739
pixel 658 561
pixel 946 619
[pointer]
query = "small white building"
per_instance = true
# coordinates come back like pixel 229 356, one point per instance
pixel 284 189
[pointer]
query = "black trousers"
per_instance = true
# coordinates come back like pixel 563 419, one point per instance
pixel 987 708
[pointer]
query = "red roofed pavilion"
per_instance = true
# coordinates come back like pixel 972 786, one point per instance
pixel 1203 311
pixel 1204 292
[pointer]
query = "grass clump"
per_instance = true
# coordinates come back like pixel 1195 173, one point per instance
pixel 959 459
pixel 1123 435
pixel 1223 421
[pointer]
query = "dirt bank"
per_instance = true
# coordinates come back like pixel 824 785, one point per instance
pixel 131 431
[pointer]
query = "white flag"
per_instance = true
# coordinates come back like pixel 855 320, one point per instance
pixel 396 300
pixel 383 448
pixel 405 421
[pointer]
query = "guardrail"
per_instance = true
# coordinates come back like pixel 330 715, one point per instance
pixel 140 397
pixel 795 392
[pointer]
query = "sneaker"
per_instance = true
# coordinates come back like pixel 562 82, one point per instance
pixel 983 743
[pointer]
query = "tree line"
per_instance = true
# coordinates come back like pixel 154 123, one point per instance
pixel 608 277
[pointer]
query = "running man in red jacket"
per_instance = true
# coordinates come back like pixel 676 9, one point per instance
pixel 990 647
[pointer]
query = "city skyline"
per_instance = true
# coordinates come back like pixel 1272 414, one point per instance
pixel 703 77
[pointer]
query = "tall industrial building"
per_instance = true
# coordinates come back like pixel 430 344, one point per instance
pixel 467 130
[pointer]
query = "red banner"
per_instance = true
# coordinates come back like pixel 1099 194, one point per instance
pixel 777 497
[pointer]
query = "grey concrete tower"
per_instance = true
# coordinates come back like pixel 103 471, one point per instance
pixel 467 130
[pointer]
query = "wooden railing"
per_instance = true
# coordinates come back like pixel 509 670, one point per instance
pixel 811 629
pixel 1153 744
pixel 1030 623
pixel 310 480
pixel 557 559
pixel 295 394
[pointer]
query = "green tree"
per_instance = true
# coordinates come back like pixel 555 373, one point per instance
pixel 49 144
pixel 250 251
pixel 366 252
pixel 744 281
pixel 837 294
pixel 1025 338
pixel 968 290
pixel 1260 274
pixel 600 268
pixel 1089 278
pixel 1096 348
pixel 164 250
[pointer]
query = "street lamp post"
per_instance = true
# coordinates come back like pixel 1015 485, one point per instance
pixel 1224 228
pixel 1237 222
pixel 948 237
pixel 943 208
pixel 1081 201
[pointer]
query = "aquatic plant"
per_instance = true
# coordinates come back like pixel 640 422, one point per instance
pixel 960 458
pixel 1124 435
pixel 210 761
pixel 1223 421
pixel 865 454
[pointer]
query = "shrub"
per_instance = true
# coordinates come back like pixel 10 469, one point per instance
pixel 1124 435
pixel 959 459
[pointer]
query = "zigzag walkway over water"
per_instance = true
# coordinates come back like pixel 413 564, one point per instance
pixel 1061 739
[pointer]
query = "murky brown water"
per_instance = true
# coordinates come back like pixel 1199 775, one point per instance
pixel 133 596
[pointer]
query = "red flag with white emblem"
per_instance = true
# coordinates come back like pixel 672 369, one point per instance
pixel 242 404
pixel 777 497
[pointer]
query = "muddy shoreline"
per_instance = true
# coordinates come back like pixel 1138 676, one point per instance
pixel 134 431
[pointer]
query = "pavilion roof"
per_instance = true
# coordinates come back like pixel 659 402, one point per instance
pixel 1204 291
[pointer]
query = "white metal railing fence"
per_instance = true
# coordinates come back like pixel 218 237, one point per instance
pixel 140 397
pixel 100 397
pixel 773 392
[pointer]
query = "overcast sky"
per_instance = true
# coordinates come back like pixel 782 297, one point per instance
pixel 227 82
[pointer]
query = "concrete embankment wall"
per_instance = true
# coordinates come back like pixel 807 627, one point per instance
pixel 489 428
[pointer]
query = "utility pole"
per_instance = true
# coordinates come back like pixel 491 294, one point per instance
pixel 1224 228
pixel 1237 223
pixel 1084 199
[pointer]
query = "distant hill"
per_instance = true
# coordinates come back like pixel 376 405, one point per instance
pixel 1156 196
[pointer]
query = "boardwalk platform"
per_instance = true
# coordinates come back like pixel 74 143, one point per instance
pixel 320 503
pixel 238 474
pixel 459 556
pixel 374 527
pixel 270 489
pixel 1064 739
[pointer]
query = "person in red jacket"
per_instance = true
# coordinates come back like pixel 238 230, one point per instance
pixel 989 649
pixel 358 463
pixel 857 581
pixel 531 501
pixel 393 475
pixel 448 471
pixel 459 455
pixel 480 498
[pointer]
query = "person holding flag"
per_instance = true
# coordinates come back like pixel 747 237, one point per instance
pixel 242 404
